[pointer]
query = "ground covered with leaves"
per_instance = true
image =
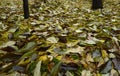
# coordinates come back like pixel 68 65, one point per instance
pixel 61 38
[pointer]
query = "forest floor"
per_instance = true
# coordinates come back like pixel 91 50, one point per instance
pixel 61 38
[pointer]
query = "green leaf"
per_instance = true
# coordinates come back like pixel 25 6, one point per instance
pixel 56 69
pixel 37 71
pixel 31 67
pixel 28 46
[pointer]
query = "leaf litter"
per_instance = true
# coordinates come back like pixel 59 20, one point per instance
pixel 61 38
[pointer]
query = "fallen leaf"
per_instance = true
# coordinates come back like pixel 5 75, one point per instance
pixel 37 70
pixel 52 39
pixel 86 73
pixel 108 66
pixel 68 73
pixel 55 70
pixel 28 46
pixel 116 62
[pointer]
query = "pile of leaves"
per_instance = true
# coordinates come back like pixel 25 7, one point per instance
pixel 61 38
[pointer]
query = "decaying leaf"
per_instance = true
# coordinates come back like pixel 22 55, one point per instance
pixel 61 37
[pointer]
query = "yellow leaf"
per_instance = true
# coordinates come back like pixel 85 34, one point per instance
pixel 41 53
pixel 33 37
pixel 98 74
pixel 104 53
pixel 24 62
pixel 102 41
pixel 89 58
pixel 84 64
pixel 101 61
pixel 43 58
pixel 59 57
